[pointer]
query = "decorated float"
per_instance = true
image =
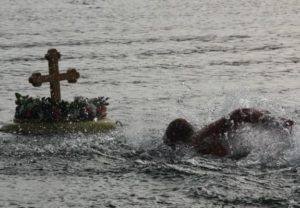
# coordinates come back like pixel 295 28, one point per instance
pixel 48 115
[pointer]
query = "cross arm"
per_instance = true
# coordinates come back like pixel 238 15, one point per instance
pixel 37 78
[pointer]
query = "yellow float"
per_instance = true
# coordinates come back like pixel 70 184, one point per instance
pixel 102 125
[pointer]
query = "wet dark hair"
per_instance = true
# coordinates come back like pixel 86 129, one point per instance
pixel 178 131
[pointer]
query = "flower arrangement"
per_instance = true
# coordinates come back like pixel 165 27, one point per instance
pixel 46 110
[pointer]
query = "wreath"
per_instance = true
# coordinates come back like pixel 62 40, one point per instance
pixel 46 110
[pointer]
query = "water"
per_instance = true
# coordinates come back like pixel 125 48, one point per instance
pixel 156 60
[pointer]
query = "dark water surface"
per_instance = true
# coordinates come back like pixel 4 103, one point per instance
pixel 156 60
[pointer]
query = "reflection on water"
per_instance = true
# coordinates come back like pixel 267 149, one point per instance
pixel 156 60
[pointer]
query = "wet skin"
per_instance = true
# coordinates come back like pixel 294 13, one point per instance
pixel 208 140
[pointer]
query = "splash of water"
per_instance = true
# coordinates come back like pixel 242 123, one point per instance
pixel 266 146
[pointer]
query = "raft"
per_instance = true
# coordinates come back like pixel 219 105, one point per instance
pixel 38 128
pixel 50 115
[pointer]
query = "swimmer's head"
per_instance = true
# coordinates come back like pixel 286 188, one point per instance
pixel 179 131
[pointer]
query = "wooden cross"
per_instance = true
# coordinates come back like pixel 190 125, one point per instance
pixel 54 76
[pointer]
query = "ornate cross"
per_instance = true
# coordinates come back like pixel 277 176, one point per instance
pixel 54 76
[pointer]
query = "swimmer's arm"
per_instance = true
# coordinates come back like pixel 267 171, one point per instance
pixel 214 131
pixel 231 122
pixel 247 115
pixel 207 140
pixel 243 115
pixel 250 115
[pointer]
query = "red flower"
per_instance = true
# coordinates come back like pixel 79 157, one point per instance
pixel 101 111
pixel 28 114
pixel 56 113
pixel 88 109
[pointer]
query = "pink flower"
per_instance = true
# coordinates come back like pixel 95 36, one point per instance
pixel 28 114
pixel 56 113
pixel 101 111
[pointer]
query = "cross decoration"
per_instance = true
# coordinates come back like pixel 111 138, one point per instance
pixel 54 77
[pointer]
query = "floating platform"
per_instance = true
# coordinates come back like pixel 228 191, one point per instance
pixel 36 128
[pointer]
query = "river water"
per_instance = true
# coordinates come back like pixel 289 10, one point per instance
pixel 157 60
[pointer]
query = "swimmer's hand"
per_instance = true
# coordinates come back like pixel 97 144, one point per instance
pixel 287 123
pixel 278 122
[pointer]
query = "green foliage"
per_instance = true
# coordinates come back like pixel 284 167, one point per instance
pixel 45 109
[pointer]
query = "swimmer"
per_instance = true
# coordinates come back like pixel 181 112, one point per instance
pixel 211 138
